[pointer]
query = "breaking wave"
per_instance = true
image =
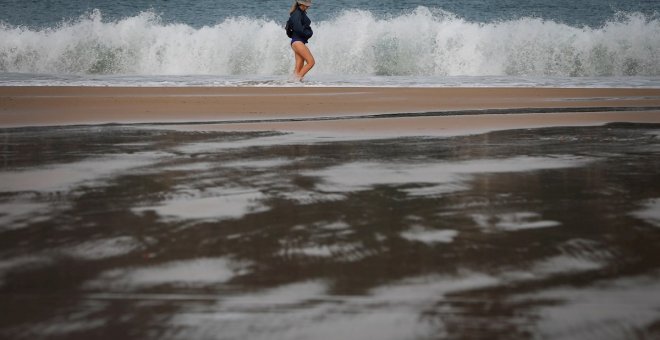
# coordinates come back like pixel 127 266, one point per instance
pixel 425 42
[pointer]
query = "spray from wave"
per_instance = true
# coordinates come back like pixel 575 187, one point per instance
pixel 425 42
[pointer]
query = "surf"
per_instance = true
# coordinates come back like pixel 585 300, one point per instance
pixel 423 42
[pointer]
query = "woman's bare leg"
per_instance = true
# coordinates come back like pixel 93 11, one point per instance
pixel 299 65
pixel 300 49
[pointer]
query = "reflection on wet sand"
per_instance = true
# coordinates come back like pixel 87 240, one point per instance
pixel 125 232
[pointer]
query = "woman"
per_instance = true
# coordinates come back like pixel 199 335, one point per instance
pixel 301 33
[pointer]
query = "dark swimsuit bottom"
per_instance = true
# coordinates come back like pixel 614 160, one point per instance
pixel 296 39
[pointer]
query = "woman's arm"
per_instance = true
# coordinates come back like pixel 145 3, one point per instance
pixel 296 23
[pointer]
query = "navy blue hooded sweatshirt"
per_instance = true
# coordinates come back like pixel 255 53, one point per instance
pixel 302 29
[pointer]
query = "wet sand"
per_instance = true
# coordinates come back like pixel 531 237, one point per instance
pixel 449 223
pixel 44 106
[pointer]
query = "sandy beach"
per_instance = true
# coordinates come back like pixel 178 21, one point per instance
pixel 270 108
pixel 329 213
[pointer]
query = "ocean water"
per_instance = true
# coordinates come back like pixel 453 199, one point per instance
pixel 593 43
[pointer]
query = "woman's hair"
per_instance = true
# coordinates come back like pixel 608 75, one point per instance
pixel 294 7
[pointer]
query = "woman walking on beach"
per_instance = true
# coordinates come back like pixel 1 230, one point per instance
pixel 302 31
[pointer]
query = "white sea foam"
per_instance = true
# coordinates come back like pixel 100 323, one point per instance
pixel 424 42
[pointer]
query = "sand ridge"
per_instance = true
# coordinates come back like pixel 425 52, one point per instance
pixel 46 106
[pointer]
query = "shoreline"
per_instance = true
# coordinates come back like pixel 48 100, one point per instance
pixel 443 125
pixel 432 110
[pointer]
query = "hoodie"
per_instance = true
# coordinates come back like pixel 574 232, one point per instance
pixel 302 29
